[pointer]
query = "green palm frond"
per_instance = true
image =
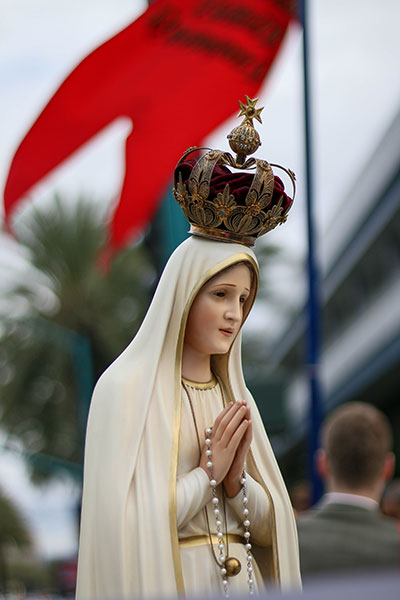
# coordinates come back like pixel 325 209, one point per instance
pixel 40 359
pixel 13 528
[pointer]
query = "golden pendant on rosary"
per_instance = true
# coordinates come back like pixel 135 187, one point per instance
pixel 232 566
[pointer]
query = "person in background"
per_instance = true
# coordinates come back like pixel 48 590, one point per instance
pixel 390 504
pixel 345 530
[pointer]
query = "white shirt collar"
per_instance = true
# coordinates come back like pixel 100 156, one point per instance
pixel 353 499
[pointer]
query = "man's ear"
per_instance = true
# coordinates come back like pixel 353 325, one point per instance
pixel 388 466
pixel 321 463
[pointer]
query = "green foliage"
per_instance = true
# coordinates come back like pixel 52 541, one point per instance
pixel 27 576
pixel 14 534
pixel 78 318
pixel 13 530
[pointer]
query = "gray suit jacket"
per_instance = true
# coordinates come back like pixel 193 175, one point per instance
pixel 340 537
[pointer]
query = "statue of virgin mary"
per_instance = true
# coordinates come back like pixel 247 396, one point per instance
pixel 168 509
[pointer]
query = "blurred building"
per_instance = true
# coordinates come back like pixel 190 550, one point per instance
pixel 361 310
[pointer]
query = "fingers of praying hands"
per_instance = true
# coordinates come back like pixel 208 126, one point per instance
pixel 232 481
pixel 228 433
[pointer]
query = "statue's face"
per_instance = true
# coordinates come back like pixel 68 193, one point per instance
pixel 216 314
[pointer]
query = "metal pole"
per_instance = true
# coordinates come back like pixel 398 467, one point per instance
pixel 313 305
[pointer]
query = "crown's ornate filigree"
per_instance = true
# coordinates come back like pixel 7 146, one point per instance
pixel 223 217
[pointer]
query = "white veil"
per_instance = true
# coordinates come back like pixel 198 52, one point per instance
pixel 129 540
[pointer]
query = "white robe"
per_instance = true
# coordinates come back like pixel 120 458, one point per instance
pixel 194 494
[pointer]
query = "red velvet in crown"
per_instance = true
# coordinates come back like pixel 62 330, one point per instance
pixel 239 183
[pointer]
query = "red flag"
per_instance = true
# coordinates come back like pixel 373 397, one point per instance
pixel 177 72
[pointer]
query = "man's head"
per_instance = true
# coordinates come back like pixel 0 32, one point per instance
pixel 355 455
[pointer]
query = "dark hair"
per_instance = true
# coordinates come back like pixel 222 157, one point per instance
pixel 356 438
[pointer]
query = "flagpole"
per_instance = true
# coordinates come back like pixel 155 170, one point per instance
pixel 313 304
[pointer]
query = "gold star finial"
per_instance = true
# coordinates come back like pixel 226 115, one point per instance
pixel 249 110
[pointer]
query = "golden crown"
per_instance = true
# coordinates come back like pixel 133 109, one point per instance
pixel 227 215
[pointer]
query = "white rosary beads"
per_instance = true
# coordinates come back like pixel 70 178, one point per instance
pixel 246 525
pixel 229 565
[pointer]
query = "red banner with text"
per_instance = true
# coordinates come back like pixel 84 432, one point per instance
pixel 177 72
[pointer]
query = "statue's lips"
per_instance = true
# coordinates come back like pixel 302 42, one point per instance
pixel 226 332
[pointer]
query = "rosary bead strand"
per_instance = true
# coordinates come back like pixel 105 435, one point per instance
pixel 218 522
pixel 224 559
pixel 246 525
